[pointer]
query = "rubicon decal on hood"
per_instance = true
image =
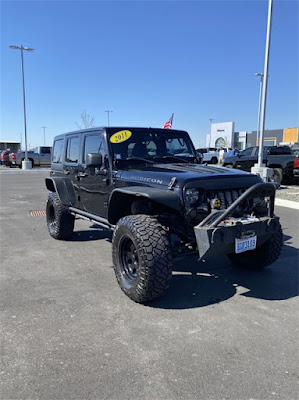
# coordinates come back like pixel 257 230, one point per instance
pixel 120 136
pixel 145 179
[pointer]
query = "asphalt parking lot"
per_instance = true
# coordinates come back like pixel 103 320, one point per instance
pixel 68 332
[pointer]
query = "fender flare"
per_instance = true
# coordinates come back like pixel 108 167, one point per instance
pixel 164 197
pixel 64 189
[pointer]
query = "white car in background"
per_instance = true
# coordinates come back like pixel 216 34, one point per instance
pixel 211 157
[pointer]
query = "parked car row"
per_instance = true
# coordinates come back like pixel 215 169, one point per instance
pixel 210 155
pixel 280 158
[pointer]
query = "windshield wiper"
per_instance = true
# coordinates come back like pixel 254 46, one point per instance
pixel 139 159
pixel 174 157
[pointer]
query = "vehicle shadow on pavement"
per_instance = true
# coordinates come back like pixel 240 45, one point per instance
pixel 97 233
pixel 199 284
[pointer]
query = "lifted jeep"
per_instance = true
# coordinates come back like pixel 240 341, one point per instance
pixel 149 187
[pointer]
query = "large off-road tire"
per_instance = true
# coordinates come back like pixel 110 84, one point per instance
pixel 60 222
pixel 142 257
pixel 262 256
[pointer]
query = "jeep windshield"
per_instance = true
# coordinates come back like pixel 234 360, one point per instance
pixel 151 145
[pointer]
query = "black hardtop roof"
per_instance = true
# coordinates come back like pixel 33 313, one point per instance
pixel 113 128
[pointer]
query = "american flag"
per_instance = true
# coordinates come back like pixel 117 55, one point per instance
pixel 168 124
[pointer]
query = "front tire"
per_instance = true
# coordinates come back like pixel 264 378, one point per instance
pixel 142 257
pixel 60 222
pixel 262 256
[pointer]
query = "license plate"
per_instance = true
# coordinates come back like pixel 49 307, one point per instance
pixel 245 244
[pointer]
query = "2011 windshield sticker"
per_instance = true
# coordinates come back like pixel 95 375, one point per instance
pixel 120 136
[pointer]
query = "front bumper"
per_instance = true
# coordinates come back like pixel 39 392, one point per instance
pixel 217 233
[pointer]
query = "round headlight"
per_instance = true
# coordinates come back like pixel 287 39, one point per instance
pixel 192 196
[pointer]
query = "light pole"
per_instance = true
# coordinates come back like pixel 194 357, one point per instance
pixel 25 164
pixel 44 128
pixel 259 109
pixel 260 168
pixel 265 82
pixel 211 120
pixel 108 112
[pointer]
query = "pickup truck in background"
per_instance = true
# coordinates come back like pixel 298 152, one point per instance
pixel 280 158
pixel 39 157
pixel 211 157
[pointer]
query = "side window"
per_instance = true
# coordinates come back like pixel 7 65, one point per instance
pixel 72 150
pixel 93 144
pixel 247 152
pixel 57 151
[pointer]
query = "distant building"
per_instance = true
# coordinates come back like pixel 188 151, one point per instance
pixel 222 134
pixel 14 146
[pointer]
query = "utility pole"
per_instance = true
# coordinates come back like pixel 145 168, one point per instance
pixel 44 128
pixel 259 109
pixel 26 164
pixel 108 112
pixel 260 168
pixel 211 120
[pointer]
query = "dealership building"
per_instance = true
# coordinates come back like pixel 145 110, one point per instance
pixel 223 134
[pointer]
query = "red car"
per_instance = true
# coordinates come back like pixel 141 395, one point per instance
pixel 5 157
pixel 296 168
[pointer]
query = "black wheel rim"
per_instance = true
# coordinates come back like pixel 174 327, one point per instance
pixel 129 262
pixel 51 219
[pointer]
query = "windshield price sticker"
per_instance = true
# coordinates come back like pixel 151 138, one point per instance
pixel 246 244
pixel 120 136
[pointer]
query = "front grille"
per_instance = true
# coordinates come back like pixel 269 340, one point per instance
pixel 227 197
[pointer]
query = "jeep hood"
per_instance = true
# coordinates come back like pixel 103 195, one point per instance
pixel 200 175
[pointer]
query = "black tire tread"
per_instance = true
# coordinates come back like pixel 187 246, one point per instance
pixel 64 220
pixel 152 243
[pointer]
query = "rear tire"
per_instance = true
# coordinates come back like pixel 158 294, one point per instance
pixel 60 222
pixel 261 257
pixel 142 257
pixel 214 160
pixel 277 175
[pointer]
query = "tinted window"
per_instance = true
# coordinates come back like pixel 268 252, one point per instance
pixel 45 150
pixel 72 150
pixel 280 150
pixel 247 152
pixel 57 151
pixel 93 144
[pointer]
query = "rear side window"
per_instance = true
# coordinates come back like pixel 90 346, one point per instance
pixel 57 151
pixel 280 150
pixel 72 150
pixel 45 150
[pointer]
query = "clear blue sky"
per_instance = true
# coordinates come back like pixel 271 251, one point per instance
pixel 145 60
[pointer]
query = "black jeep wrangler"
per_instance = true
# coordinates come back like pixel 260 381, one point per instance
pixel 149 187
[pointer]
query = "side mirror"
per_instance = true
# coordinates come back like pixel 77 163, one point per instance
pixel 94 160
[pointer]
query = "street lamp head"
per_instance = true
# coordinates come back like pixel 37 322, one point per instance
pixel 21 48
pixel 258 74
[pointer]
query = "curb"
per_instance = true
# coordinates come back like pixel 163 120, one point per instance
pixel 287 203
